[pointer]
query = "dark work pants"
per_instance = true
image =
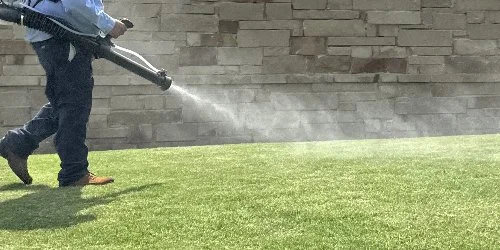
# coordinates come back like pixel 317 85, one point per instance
pixel 69 91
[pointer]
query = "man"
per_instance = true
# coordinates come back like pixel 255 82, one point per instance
pixel 69 91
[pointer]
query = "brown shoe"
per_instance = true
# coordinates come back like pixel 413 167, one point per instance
pixel 91 179
pixel 19 166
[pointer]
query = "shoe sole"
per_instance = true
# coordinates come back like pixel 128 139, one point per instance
pixel 21 174
pixel 26 179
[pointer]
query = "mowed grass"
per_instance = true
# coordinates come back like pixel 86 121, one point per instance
pixel 427 193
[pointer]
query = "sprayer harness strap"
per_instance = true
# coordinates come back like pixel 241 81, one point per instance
pixel 39 1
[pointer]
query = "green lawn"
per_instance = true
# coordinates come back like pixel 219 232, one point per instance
pixel 428 193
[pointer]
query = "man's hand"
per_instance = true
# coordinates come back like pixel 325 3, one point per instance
pixel 118 30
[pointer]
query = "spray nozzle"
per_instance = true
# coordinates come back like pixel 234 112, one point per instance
pixel 165 81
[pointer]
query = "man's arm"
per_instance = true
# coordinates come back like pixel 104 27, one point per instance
pixel 93 11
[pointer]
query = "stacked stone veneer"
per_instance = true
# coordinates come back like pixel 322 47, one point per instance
pixel 284 70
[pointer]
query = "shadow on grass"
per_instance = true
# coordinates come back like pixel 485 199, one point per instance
pixel 50 208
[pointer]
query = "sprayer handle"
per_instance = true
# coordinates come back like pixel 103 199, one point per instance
pixel 107 40
pixel 127 23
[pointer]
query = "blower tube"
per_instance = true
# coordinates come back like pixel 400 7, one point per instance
pixel 101 47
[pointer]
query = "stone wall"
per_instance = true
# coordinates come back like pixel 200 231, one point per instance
pixel 284 70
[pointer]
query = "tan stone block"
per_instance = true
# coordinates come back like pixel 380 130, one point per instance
pixel 6 34
pixel 309 4
pixel 475 17
pixel 140 134
pixel 14 116
pixel 23 70
pixel 462 5
pixel 445 21
pixel 483 31
pixel 388 30
pixel 127 118
pixel 94 133
pixel 329 64
pixel 390 52
pixel 263 38
pixel 271 25
pixel 383 109
pixel 187 22
pixel 472 64
pixel 19 81
pixel 326 14
pixel 425 38
pixel 436 3
pixel 379 65
pixel 239 56
pixel 285 64
pixel 476 47
pixel 426 60
pixel 208 70
pixel 394 17
pixel 198 9
pixel 387 4
pixel 241 11
pixel 141 10
pixel 228 26
pixel 15 47
pixel 198 56
pixel 175 8
pixel 339 51
pixel 308 46
pixel 439 105
pixel 340 4
pixel 304 101
pixel 276 51
pixel 361 52
pixel 281 11
pixel 14 99
pixel 430 51
pixel 361 41
pixel 334 28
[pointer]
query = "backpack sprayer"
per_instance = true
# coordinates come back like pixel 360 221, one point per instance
pixel 101 47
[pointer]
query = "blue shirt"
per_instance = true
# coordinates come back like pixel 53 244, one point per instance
pixel 87 16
